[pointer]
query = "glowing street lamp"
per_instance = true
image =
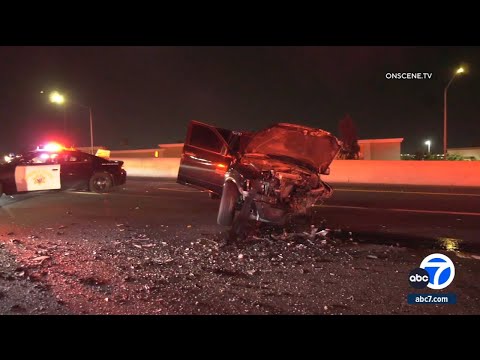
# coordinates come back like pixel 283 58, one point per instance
pixel 428 143
pixel 57 98
pixel 459 71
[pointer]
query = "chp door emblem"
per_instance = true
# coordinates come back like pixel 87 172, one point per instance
pixel 39 179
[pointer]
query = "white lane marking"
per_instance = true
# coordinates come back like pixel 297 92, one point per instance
pixel 152 193
pixel 403 210
pixel 408 192
pixel 151 196
pixel 179 190
pixel 153 182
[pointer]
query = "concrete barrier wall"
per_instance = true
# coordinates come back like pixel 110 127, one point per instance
pixel 151 167
pixel 441 173
pixel 163 151
pixel 143 153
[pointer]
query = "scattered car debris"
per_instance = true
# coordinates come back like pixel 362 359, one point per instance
pixel 41 259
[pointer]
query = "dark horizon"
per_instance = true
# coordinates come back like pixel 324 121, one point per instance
pixel 147 95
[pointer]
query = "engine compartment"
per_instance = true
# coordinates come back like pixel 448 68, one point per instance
pixel 284 185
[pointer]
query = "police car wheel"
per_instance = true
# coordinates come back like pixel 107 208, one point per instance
pixel 100 183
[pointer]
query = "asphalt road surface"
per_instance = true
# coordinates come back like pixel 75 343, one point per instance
pixel 153 247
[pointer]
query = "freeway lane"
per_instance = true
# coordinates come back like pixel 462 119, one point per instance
pixel 433 212
pixel 439 199
pixel 153 247
pixel 413 211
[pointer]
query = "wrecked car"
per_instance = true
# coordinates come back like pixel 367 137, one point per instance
pixel 265 175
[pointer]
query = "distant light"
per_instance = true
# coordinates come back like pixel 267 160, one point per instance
pixel 41 91
pixel 428 143
pixel 156 153
pixel 44 156
pixel 57 98
pixel 460 70
pixel 7 158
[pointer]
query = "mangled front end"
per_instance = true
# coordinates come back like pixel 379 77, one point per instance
pixel 280 171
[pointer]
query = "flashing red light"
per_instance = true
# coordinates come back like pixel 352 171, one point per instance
pixel 52 147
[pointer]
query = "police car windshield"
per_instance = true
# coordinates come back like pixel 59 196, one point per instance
pixel 37 157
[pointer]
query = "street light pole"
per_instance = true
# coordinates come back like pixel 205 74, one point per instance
pixel 91 130
pixel 459 71
pixel 65 121
pixel 57 98
pixel 91 124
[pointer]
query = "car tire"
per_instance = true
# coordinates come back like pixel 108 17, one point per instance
pixel 100 182
pixel 226 211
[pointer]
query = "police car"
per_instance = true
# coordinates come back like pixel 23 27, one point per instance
pixel 52 167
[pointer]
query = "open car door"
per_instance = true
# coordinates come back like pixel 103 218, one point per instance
pixel 36 177
pixel 205 158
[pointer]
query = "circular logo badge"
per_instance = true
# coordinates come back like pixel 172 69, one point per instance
pixel 418 278
pixel 440 269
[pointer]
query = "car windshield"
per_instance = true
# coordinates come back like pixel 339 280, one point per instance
pixel 37 157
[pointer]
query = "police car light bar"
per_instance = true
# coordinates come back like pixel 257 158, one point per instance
pixel 51 147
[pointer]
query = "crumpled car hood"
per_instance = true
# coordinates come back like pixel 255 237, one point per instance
pixel 313 146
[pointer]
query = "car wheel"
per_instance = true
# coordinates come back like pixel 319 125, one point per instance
pixel 100 183
pixel 228 201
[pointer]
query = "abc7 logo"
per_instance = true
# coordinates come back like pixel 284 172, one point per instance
pixel 436 271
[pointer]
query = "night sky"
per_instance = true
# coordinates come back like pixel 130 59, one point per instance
pixel 147 95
